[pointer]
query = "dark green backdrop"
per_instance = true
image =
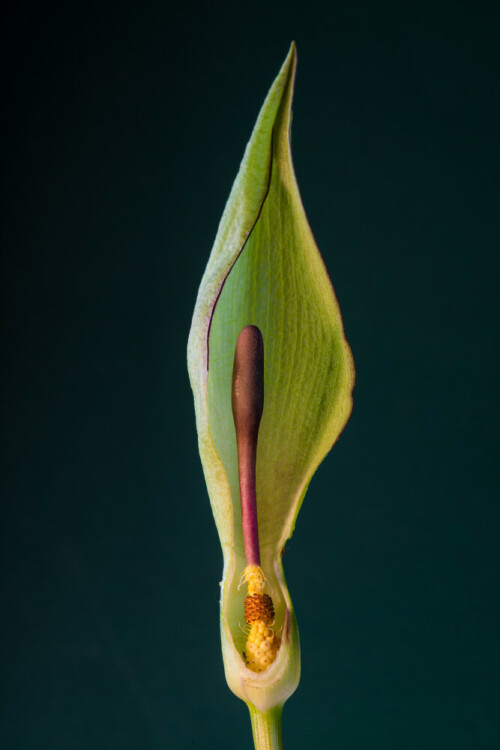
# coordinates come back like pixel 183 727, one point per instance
pixel 123 128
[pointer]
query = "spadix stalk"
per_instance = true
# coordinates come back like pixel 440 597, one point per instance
pixel 248 403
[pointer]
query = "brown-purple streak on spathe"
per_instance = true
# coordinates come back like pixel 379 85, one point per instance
pixel 242 247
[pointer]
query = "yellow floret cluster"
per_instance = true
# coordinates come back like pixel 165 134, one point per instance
pixel 253 575
pixel 262 643
pixel 261 647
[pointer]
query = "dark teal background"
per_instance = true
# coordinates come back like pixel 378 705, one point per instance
pixel 123 128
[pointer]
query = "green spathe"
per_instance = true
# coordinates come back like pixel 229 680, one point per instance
pixel 266 270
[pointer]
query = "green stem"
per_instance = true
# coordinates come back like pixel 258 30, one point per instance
pixel 266 728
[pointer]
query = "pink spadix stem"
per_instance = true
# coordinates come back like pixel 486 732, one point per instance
pixel 248 403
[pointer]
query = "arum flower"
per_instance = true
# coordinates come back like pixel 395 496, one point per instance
pixel 272 376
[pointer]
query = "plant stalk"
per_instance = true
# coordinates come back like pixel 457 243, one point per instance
pixel 266 728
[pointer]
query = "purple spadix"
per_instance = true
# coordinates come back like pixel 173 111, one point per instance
pixel 248 404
